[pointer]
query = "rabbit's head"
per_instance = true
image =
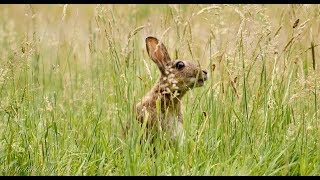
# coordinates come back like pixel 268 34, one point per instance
pixel 176 75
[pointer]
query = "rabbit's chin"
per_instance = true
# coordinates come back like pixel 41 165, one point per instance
pixel 200 82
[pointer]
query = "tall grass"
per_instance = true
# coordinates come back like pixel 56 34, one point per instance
pixel 70 76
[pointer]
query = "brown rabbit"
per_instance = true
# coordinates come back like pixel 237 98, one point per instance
pixel 162 105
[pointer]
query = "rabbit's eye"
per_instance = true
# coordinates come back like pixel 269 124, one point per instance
pixel 179 65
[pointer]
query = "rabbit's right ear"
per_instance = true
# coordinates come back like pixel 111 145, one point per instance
pixel 158 53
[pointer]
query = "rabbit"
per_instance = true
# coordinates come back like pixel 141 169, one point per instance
pixel 177 77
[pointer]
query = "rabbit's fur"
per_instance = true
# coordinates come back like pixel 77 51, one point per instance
pixel 162 104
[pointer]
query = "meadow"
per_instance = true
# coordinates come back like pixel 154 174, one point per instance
pixel 70 76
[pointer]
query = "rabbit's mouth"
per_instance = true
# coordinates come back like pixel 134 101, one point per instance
pixel 198 82
pixel 201 81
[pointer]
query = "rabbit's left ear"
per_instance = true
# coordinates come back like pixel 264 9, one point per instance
pixel 157 52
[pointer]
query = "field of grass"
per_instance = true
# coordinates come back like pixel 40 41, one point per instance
pixel 70 76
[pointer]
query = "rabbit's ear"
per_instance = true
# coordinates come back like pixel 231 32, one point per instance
pixel 157 52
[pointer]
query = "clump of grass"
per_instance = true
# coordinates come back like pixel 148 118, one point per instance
pixel 70 76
